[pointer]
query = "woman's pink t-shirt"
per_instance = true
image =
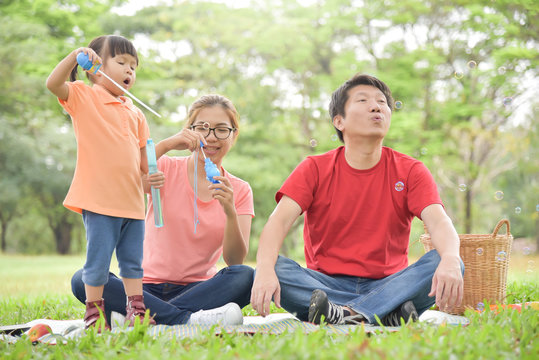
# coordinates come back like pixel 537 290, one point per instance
pixel 174 253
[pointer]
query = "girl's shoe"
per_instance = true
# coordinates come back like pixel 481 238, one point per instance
pixel 95 315
pixel 136 309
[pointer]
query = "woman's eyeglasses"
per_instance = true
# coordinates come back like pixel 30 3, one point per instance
pixel 220 132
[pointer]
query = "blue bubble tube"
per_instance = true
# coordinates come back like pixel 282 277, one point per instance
pixel 156 194
pixel 86 64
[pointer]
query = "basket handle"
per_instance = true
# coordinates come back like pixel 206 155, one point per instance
pixel 500 224
pixel 494 233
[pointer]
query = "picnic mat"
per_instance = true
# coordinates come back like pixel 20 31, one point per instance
pixel 274 324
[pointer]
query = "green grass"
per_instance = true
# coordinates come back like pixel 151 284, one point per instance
pixel 38 287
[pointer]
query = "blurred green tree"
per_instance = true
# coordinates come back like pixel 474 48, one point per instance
pixel 459 70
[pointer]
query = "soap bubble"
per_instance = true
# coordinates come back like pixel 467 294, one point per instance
pixel 399 186
pixel 64 129
pixel 313 143
pixel 480 306
pixel 334 137
pixel 501 70
pixel 424 151
pixel 498 195
pixel 526 250
pixel 49 161
pixel 507 101
pixel 518 210
pixel 398 104
pixel 472 64
pixel 531 265
pixel 479 251
pixel 462 187
pixel 458 75
pixel 502 256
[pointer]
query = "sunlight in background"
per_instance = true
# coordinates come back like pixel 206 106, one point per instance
pixel 132 6
pixel 172 50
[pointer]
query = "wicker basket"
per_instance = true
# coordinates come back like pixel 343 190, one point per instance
pixel 486 260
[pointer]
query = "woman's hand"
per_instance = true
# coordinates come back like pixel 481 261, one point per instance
pixel 185 140
pixel 225 194
pixel 157 180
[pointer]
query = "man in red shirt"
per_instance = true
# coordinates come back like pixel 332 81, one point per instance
pixel 359 201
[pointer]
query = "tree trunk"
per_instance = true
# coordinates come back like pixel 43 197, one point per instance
pixel 4 233
pixel 62 237
pixel 468 215
pixel 537 234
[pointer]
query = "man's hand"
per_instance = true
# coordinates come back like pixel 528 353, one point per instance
pixel 265 286
pixel 447 283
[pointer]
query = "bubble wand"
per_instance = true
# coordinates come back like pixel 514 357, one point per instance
pixel 211 170
pixel 156 194
pixel 84 61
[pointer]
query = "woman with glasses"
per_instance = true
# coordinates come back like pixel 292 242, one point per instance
pixel 202 222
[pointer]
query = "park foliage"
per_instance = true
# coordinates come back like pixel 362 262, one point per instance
pixel 460 71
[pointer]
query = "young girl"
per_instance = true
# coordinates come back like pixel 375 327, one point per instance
pixel 106 189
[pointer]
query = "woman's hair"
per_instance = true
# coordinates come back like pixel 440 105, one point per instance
pixel 340 96
pixel 108 46
pixel 211 100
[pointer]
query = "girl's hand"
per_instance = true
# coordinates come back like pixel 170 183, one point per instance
pixel 224 193
pixel 157 179
pixel 186 140
pixel 56 82
pixel 92 55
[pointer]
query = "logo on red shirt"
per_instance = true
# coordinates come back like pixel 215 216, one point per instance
pixel 399 186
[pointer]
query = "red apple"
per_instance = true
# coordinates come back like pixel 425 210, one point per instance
pixel 38 330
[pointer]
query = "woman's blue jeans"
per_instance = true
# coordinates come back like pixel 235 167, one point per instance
pixel 368 297
pixel 173 304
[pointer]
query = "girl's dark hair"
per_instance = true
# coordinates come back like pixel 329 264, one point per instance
pixel 108 46
pixel 340 96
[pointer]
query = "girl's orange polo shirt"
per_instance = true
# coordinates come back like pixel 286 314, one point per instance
pixel 110 133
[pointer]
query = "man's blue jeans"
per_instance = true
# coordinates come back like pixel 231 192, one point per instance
pixel 368 297
pixel 173 304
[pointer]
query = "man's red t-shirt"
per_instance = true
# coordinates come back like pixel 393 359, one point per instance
pixel 357 222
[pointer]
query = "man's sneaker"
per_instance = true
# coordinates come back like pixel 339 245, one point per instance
pixel 229 314
pixel 323 310
pixel 406 311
